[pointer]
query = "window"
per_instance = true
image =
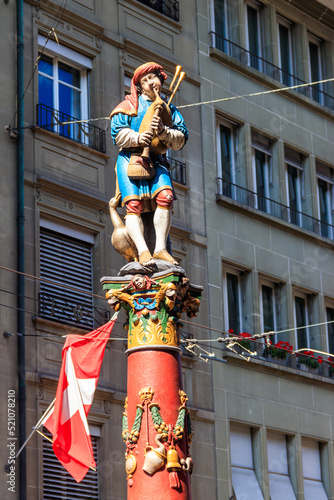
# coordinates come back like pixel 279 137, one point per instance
pixel 330 328
pixel 279 478
pixel 269 307
pixel 220 24
pixel 302 320
pixel 325 180
pixel 63 91
pixel 262 171
pixel 315 67
pixel 313 486
pixel 226 157
pixel 244 481
pixel 295 183
pixel 253 34
pixel 169 8
pixel 234 283
pixel 285 51
pixel 58 483
pixel 66 261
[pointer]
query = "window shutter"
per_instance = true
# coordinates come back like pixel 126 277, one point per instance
pixel 59 484
pixel 66 262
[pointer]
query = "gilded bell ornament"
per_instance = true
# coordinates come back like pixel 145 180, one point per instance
pixel 173 463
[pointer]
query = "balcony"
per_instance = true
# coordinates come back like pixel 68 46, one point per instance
pixel 313 364
pixel 244 56
pixel 169 8
pixel 271 207
pixel 82 133
pixel 56 308
pixel 177 171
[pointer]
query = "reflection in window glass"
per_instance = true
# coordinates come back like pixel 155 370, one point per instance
pixel 301 320
pixel 233 303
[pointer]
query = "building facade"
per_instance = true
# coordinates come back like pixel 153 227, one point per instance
pixel 252 224
pixel 267 162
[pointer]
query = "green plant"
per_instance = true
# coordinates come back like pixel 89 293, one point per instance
pixel 307 358
pixel 279 350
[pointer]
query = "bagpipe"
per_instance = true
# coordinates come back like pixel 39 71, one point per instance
pixel 140 165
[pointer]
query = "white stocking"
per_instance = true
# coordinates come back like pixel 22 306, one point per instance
pixel 162 221
pixel 135 228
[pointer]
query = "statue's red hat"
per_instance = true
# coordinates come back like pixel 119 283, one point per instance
pixel 132 99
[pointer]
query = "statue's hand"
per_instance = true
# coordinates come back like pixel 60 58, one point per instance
pixel 157 124
pixel 145 138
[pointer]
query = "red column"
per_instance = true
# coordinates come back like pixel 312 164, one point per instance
pixel 160 370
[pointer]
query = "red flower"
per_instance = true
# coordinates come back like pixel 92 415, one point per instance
pixel 230 330
pixel 320 360
pixel 330 359
pixel 245 335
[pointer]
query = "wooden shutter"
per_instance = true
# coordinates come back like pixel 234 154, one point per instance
pixel 66 262
pixel 58 484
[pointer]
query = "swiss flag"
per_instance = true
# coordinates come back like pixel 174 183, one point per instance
pixel 82 357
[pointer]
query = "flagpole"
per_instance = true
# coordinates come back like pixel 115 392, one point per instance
pixel 36 427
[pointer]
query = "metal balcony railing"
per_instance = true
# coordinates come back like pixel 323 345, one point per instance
pixel 83 133
pixel 283 212
pixel 169 8
pixel 177 171
pixel 314 92
pixel 57 308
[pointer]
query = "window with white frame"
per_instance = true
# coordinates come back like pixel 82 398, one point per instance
pixel 227 148
pixel 285 52
pixel 244 480
pixel 330 327
pixel 65 262
pixel 278 467
pixel 269 304
pixel 312 470
pixel 261 148
pixel 58 483
pixel 220 24
pixel 294 185
pixel 325 181
pixel 253 34
pixel 234 297
pixel 315 67
pixel 302 314
pixel 62 89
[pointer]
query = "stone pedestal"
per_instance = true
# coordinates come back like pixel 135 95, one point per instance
pixel 156 425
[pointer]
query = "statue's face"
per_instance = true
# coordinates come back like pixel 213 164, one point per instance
pixel 139 282
pixel 148 83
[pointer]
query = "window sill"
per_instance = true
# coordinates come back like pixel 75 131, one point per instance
pixel 260 364
pixel 236 206
pixel 36 129
pixel 257 75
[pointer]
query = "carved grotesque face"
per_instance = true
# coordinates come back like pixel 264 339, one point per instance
pixel 171 291
pixel 139 282
pixel 148 83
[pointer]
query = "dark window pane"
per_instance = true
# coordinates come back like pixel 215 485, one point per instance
pixel 330 329
pixel 285 53
pixel 226 160
pixel 233 302
pixel 268 309
pixel 45 65
pixel 69 75
pixel 253 36
pixel 301 321
pixel 69 101
pixel 220 24
pixel 45 91
pixel 315 71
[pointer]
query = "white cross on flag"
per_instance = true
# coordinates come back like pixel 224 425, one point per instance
pixel 82 358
